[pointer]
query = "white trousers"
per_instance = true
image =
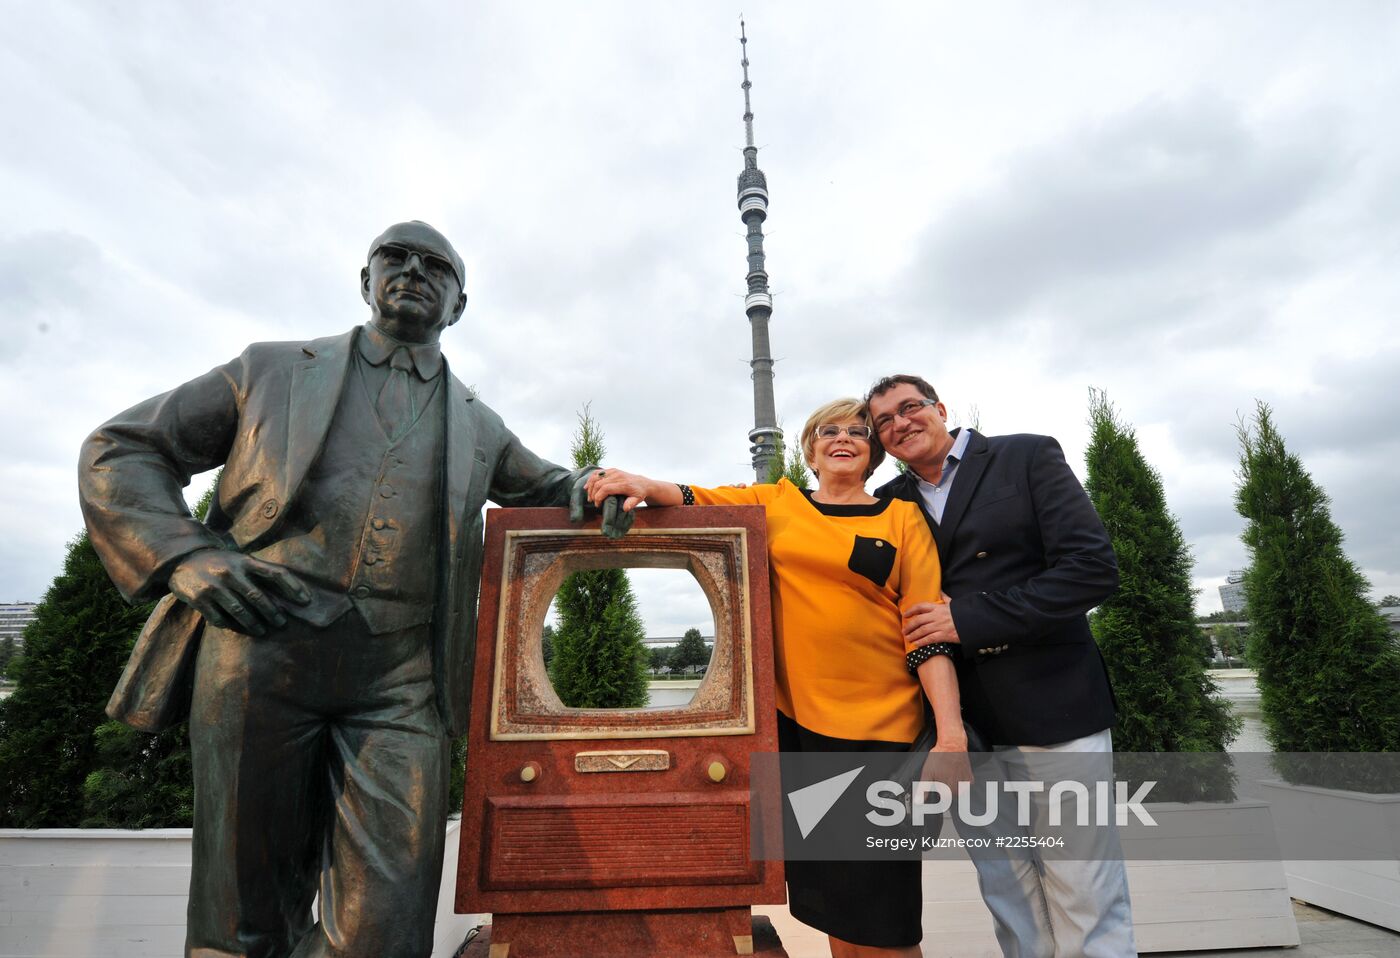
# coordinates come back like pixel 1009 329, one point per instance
pixel 1057 905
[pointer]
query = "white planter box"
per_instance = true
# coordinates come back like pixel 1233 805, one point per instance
pixel 1177 905
pixel 1369 888
pixel 78 893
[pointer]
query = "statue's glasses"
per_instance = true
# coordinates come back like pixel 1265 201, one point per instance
pixel 906 410
pixel 831 431
pixel 438 267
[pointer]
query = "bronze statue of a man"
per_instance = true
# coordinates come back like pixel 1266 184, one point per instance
pixel 319 625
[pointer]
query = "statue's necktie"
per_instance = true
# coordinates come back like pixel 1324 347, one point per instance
pixel 395 403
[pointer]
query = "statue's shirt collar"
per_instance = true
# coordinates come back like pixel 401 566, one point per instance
pixel 377 346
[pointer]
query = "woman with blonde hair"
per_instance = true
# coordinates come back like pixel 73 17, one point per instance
pixel 843 567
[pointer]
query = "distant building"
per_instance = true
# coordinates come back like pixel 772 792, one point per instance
pixel 14 617
pixel 671 641
pixel 1392 615
pixel 1232 592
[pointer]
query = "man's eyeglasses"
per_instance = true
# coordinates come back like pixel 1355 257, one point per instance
pixel 905 411
pixel 831 431
pixel 439 267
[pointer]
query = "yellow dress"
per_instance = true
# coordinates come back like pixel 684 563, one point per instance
pixel 841 574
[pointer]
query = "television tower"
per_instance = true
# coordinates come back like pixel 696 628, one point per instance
pixel 765 438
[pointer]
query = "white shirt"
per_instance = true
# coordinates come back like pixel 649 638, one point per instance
pixel 935 494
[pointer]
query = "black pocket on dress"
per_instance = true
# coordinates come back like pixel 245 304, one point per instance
pixel 872 558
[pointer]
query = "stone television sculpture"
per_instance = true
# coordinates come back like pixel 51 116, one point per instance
pixel 618 831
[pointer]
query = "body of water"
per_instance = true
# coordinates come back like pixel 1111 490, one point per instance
pixel 671 694
pixel 1241 690
pixel 1238 686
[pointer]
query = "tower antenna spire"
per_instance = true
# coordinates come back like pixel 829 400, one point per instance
pixel 744 62
pixel 765 438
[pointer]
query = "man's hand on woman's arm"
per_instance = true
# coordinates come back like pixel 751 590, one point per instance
pixel 929 622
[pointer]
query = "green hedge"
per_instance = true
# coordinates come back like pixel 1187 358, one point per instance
pixel 1328 663
pixel 1147 630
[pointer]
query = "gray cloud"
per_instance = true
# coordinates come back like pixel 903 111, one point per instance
pixel 44 277
pixel 960 193
pixel 1164 182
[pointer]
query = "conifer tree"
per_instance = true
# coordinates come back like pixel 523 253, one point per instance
pixel 789 463
pixel 62 763
pixel 547 645
pixel 1147 630
pixel 457 776
pixel 1328 664
pixel 140 780
pixel 8 653
pixel 692 650
pixel 795 467
pixel 74 651
pixel 777 464
pixel 599 660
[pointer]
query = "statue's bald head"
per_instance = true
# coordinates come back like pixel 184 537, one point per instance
pixel 413 282
pixel 419 236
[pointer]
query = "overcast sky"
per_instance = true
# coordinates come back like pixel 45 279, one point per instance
pixel 1191 206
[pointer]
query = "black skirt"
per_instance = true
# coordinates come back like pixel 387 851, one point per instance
pixel 874 903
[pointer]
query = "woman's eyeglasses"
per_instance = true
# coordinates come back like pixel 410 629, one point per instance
pixel 831 431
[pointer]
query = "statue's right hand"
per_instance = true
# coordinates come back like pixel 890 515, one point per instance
pixel 631 487
pixel 236 592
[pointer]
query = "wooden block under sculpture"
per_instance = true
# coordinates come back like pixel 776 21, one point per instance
pixel 625 826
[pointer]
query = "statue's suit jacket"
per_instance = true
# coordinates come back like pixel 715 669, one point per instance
pixel 1024 557
pixel 264 417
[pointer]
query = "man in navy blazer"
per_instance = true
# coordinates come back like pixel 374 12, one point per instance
pixel 1024 557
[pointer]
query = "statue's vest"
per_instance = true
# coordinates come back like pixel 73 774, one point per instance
pixel 366 530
